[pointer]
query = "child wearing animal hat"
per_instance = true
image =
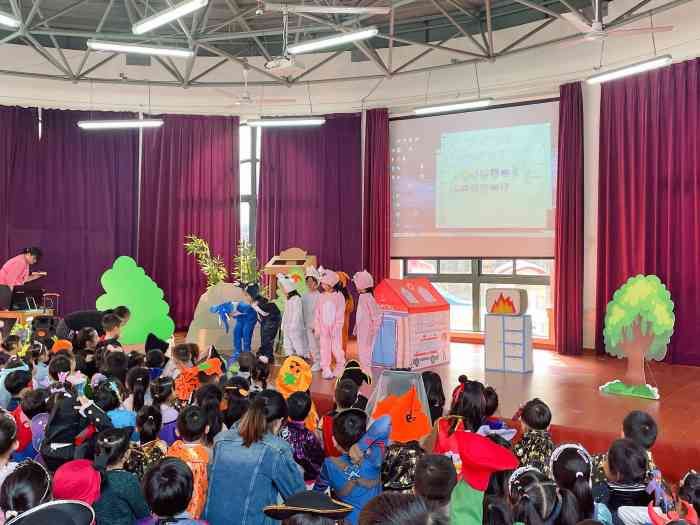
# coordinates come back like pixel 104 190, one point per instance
pixel 369 318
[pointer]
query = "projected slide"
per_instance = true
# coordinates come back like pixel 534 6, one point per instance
pixel 477 184
pixel 504 173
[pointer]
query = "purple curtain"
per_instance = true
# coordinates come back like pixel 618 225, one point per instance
pixel 649 194
pixel 72 193
pixel 311 192
pixel 189 185
pixel 377 225
pixel 568 261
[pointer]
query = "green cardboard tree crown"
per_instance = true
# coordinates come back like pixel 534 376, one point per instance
pixel 126 283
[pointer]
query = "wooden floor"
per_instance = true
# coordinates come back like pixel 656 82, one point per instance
pixel 569 385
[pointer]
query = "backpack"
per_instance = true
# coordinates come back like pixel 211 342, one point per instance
pixel 399 466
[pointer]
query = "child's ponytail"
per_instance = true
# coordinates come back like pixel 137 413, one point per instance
pixel 149 421
pixel 208 398
pixel 267 407
pixel 137 381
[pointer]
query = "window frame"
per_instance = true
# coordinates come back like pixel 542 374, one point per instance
pixel 476 278
pixel 252 198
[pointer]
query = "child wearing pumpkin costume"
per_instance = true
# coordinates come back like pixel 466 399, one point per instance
pixel 295 376
pixel 292 319
pixel 328 325
pixel 369 318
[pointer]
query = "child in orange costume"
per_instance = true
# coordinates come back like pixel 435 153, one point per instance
pixel 191 428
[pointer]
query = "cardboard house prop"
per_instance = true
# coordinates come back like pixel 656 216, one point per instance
pixel 415 330
pixel 508 331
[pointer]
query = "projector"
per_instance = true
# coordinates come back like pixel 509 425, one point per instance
pixel 278 63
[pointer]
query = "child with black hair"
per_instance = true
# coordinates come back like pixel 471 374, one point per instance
pixel 192 427
pixel 536 446
pixel 138 379
pixel 269 317
pixel 208 398
pixel 237 397
pixel 259 374
pixel 150 449
pixel 346 393
pixel 245 361
pixel 17 383
pixel 571 468
pixel 689 490
pixel 121 500
pixel 155 361
pixel 26 487
pixel 33 402
pixel 536 500
pixel 306 447
pixel 112 327
pixel 59 368
pixel 108 396
pixel 436 478
pixel 11 344
pixel 184 356
pixel 641 428
pixel 391 508
pixel 164 400
pixel 168 488
pixel 116 365
pixel 626 471
pixel 8 445
pixel 435 393
pixel 355 476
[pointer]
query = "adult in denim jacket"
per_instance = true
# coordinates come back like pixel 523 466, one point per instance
pixel 251 467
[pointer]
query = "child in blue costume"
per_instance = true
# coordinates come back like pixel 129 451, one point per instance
pixel 246 317
pixel 355 482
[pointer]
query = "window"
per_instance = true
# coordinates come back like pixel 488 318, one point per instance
pixel 249 140
pixel 463 283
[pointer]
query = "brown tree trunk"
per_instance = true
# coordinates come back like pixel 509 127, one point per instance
pixel 635 348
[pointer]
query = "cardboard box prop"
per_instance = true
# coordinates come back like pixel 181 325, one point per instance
pixel 508 343
pixel 289 259
pixel 205 329
pixel 506 301
pixel 415 330
pixel 401 396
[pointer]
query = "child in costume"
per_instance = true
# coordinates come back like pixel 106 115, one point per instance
pixel 293 319
pixel 306 447
pixel 355 476
pixel 309 303
pixel 369 318
pixel 536 446
pixel 346 392
pixel 246 317
pixel 295 376
pixel 191 427
pixel 270 319
pixel 328 324
pixel 349 307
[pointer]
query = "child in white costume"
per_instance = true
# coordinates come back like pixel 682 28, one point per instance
pixel 330 317
pixel 368 320
pixel 309 302
pixel 292 319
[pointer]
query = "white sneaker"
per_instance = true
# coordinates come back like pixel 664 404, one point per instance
pixel 315 367
pixel 327 374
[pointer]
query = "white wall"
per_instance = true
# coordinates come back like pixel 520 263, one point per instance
pixel 525 76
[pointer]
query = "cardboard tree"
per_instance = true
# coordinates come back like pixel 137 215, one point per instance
pixel 639 324
pixel 126 283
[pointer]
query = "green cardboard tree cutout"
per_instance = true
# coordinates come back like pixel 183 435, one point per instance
pixel 126 283
pixel 638 325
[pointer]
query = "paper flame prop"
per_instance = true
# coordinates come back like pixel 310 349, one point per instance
pixel 503 305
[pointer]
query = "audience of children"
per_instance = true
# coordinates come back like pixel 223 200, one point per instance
pixel 118 439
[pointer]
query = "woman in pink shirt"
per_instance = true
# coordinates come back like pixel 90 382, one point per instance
pixel 15 272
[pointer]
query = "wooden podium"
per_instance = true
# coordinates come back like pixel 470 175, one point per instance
pixel 288 259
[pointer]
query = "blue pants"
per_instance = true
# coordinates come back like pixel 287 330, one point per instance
pixel 242 337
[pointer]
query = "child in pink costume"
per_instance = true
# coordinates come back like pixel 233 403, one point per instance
pixel 328 325
pixel 368 320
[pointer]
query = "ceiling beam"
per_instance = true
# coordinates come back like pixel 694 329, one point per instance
pixel 526 36
pixel 540 8
pixel 57 47
pixel 459 27
pixel 209 70
pixel 578 14
pixel 86 55
pixel 313 68
pixel 32 13
pixel 243 14
pixel 451 50
pixel 241 62
pixel 45 54
pixel 233 6
pixel 420 55
pixel 629 12
pixel 489 26
pixel 60 13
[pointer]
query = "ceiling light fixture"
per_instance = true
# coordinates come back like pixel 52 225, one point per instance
pixel 332 41
pixel 632 69
pixel 136 49
pixel 8 20
pixel 167 15
pixel 458 106
pixel 119 124
pixel 286 122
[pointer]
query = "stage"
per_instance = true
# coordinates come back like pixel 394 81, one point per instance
pixel 569 385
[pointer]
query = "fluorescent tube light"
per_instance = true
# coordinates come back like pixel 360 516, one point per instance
pixel 286 122
pixel 167 15
pixel 8 20
pixel 332 41
pixel 632 69
pixel 120 124
pixel 458 106
pixel 118 47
